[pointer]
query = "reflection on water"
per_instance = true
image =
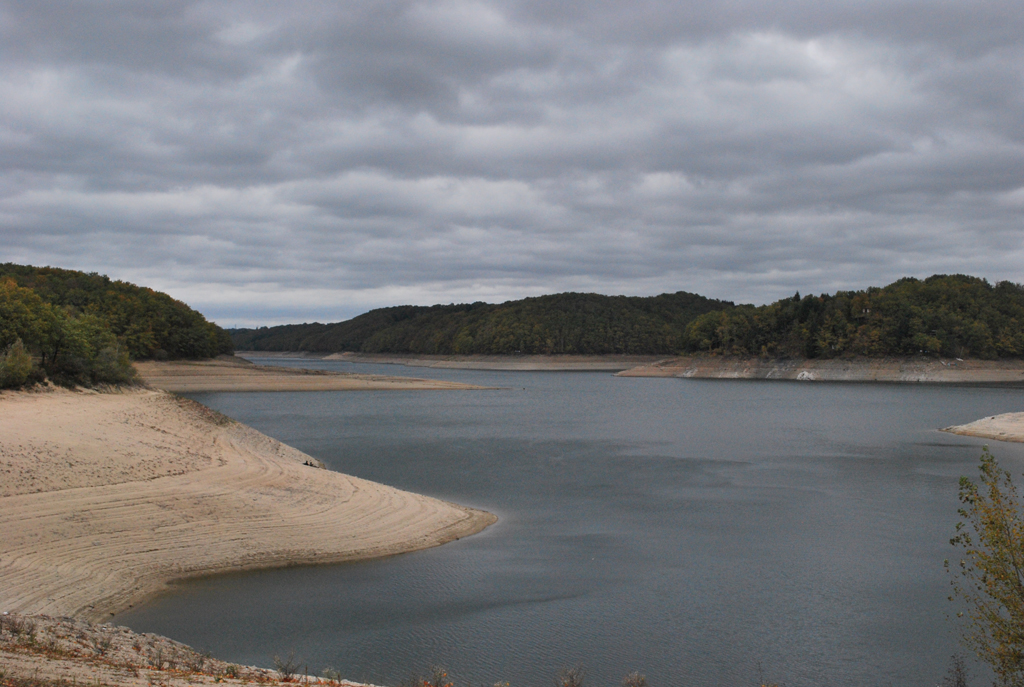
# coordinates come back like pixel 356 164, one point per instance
pixel 687 529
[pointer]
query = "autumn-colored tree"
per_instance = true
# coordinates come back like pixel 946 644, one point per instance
pixel 989 577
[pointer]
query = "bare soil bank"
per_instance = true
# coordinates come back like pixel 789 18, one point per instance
pixel 923 370
pixel 105 498
pixel 608 363
pixel 227 373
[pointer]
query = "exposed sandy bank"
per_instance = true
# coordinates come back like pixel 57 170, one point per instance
pixel 857 370
pixel 1005 427
pixel 237 374
pixel 46 651
pixel 108 497
pixel 581 363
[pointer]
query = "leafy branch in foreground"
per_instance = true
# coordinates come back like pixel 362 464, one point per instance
pixel 989 578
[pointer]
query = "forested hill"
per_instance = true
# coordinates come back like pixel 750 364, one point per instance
pixel 943 315
pixel 953 316
pixel 566 323
pixel 83 328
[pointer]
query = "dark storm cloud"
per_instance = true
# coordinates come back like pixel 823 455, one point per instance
pixel 309 160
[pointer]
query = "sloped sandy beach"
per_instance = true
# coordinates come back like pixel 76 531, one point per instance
pixel 107 497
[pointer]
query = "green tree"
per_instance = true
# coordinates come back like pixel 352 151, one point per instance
pixel 147 323
pixel 82 350
pixel 15 366
pixel 989 577
pixel 20 311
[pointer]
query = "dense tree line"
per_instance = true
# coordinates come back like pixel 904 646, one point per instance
pixel 79 328
pixel 567 323
pixel 944 315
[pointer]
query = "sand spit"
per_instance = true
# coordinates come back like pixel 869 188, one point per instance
pixel 523 363
pixel 42 651
pixel 237 374
pixel 1005 427
pixel 107 497
pixel 918 370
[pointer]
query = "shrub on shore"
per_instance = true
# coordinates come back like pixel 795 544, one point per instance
pixel 15 366
pixel 989 578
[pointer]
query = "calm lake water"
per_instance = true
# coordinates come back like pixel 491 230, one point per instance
pixel 691 530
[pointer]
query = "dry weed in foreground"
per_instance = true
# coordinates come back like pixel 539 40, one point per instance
pixel 41 651
pixel 635 679
pixel 287 667
pixel 438 678
pixel 957 675
pixel 571 676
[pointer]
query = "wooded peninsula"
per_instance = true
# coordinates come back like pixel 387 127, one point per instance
pixel 84 328
pixel 955 316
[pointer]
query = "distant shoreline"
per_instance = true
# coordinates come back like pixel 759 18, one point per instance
pixel 522 363
pixel 918 370
pixel 239 374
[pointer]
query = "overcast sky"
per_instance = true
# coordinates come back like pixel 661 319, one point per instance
pixel 297 161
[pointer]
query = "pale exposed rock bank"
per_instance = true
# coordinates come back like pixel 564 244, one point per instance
pixel 916 370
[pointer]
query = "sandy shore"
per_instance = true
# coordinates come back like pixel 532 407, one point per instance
pixel 1005 427
pixel 915 370
pixel 237 374
pixel 105 498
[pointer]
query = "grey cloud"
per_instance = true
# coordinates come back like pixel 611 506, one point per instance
pixel 329 158
pixel 968 28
